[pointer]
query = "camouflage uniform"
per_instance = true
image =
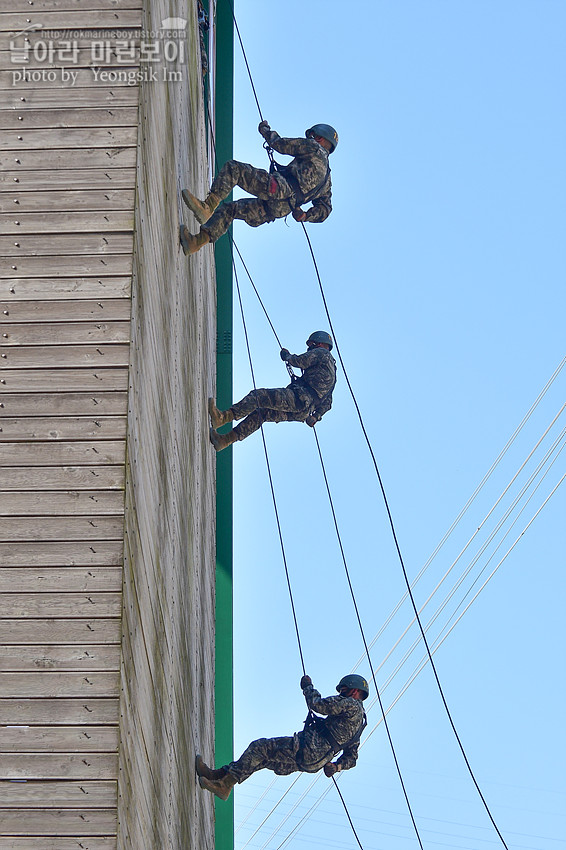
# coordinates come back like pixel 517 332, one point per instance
pixel 276 196
pixel 308 750
pixel 311 394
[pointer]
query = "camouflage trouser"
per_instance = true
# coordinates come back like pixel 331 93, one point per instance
pixel 276 405
pixel 276 754
pixel 270 190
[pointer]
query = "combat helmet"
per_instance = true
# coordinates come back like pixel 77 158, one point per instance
pixel 320 336
pixel 326 131
pixel 354 681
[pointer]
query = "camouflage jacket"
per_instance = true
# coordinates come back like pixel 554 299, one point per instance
pixel 309 167
pixel 344 716
pixel 319 376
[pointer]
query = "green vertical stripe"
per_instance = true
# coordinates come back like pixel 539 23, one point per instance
pixel 224 691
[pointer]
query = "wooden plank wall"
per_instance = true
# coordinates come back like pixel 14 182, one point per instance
pixel 167 703
pixel 66 221
pixel 67 189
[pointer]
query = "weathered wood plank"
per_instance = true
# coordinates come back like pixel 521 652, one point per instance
pixel 113 265
pixel 69 200
pixel 36 794
pixel 66 222
pixel 59 821
pixel 56 712
pixel 83 158
pixel 91 453
pixel 65 244
pixel 71 404
pixel 103 630
pixel 49 356
pixel 60 289
pixel 63 332
pixel 62 478
pixel 54 684
pixel 103 18
pixel 62 428
pixel 58 739
pixel 59 605
pixel 73 5
pixel 66 179
pixel 65 579
pixel 101 310
pixel 75 137
pixel 37 119
pixel 17 657
pixel 67 503
pixel 63 380
pixel 57 98
pixel 27 529
pixel 46 842
pixel 79 553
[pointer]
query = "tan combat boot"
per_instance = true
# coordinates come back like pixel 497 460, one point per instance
pixel 222 441
pixel 202 209
pixel 220 787
pixel 203 769
pixel 191 244
pixel 219 417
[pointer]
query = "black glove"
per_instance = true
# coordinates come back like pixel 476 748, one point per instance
pixel 264 129
pixel 305 680
pixel 330 769
pixel 284 354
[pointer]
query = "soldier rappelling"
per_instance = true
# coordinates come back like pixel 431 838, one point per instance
pixel 280 191
pixel 306 399
pixel 310 750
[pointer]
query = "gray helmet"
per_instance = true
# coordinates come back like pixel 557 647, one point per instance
pixel 354 681
pixel 320 336
pixel 326 131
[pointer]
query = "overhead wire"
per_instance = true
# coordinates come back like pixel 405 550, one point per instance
pixel 437 643
pixel 445 631
pixel 478 529
pixel 469 502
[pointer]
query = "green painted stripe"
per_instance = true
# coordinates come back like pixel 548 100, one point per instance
pixel 224 689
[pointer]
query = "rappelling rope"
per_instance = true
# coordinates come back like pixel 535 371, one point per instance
pixel 398 548
pixel 268 467
pixel 353 595
pixel 232 246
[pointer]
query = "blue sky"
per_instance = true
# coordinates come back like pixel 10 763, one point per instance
pixel 443 266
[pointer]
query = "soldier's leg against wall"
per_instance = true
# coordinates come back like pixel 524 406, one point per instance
pixel 233 173
pixel 277 754
pixel 250 210
pixel 254 421
pixel 282 398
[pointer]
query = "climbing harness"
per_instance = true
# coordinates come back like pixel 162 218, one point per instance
pixel 317 400
pixel 299 197
pixel 319 725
